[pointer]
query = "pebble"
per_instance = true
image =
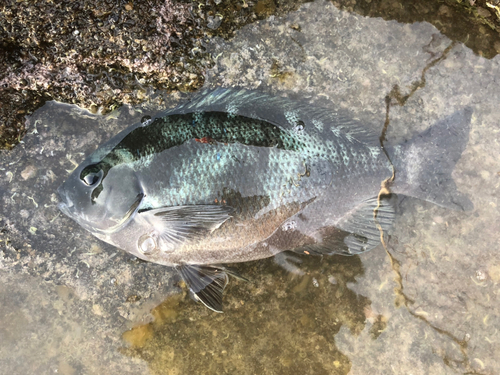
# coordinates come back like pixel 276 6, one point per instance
pixel 28 172
pixel 483 12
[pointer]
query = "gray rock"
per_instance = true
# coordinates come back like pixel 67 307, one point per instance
pixel 431 307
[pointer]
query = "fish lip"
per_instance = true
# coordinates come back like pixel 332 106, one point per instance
pixel 65 203
pixel 65 209
pixel 63 196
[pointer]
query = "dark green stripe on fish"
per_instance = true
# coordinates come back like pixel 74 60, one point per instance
pixel 205 127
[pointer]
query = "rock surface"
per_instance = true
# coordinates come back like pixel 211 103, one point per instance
pixel 102 54
pixel 428 304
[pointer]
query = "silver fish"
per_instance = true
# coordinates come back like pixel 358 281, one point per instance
pixel 237 175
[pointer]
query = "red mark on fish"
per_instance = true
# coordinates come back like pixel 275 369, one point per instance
pixel 208 140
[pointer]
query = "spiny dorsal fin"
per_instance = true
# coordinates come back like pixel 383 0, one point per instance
pixel 277 110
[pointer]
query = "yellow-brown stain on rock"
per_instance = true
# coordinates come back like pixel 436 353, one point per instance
pixel 494 272
pixel 167 311
pixel 265 7
pixel 301 287
pixel 65 368
pixel 287 327
pixel 138 336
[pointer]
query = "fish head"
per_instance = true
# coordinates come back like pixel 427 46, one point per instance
pixel 100 198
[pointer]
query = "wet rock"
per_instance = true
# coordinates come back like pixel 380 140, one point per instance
pixel 213 22
pixel 469 22
pixel 100 55
pixel 415 307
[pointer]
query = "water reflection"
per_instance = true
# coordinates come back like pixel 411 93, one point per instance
pixel 276 323
pixel 462 21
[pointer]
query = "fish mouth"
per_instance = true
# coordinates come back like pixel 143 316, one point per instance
pixel 63 207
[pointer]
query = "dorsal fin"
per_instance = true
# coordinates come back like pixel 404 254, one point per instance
pixel 284 112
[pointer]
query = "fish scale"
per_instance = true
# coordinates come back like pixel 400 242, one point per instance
pixel 201 180
pixel 237 175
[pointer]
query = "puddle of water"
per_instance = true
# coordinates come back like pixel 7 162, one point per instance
pixel 268 326
pixel 430 307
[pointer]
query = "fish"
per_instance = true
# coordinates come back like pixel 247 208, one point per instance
pixel 235 175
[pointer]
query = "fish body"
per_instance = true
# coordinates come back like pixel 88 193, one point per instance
pixel 237 175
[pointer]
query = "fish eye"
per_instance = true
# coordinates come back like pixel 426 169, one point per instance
pixel 91 179
pixel 91 175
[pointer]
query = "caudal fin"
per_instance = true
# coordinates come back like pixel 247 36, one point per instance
pixel 424 164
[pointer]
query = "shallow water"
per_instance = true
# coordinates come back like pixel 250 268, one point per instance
pixel 428 304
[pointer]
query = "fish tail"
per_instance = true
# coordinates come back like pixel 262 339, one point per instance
pixel 423 165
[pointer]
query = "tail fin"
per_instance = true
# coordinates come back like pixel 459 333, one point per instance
pixel 424 163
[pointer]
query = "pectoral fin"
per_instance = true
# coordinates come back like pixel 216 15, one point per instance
pixel 175 225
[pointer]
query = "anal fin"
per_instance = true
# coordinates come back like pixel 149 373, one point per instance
pixel 368 222
pixel 357 232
